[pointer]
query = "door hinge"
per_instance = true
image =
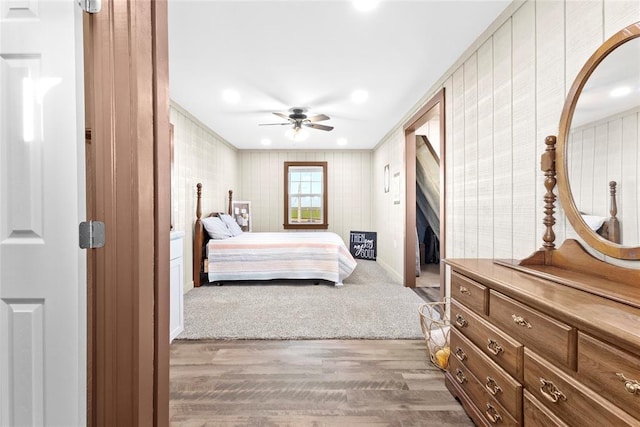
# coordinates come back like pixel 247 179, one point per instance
pixel 90 6
pixel 91 234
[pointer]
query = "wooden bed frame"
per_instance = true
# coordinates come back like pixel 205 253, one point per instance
pixel 200 240
pixel 610 230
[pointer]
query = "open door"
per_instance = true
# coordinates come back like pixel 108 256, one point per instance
pixel 42 197
pixel 435 107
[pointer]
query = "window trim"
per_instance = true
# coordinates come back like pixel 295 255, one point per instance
pixel 314 226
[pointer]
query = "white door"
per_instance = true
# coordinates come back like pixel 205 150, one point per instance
pixel 42 198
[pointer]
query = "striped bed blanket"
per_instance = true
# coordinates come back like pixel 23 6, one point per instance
pixel 283 255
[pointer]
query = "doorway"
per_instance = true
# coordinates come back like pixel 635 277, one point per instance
pixel 425 220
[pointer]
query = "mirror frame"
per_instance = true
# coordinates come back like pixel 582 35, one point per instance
pixel 564 190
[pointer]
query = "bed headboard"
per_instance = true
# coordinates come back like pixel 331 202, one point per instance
pixel 201 238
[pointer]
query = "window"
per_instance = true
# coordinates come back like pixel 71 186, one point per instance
pixel 305 202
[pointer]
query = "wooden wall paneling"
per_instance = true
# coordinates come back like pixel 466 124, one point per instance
pixel 601 192
pixel 458 160
pixel 618 14
pixel 200 156
pixel 628 188
pixel 576 149
pixel 485 146
pixel 503 142
pixel 550 95
pixel 586 186
pixel 338 170
pixel 471 157
pixel 525 160
pixel 584 34
pixel 449 170
pixel 276 194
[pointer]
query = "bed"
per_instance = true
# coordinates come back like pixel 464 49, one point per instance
pixel 253 256
pixel 608 228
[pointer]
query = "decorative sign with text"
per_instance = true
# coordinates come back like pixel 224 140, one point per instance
pixel 362 244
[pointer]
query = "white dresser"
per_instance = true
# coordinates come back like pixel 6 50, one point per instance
pixel 176 317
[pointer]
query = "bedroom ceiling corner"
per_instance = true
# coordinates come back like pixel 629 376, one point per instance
pixel 233 64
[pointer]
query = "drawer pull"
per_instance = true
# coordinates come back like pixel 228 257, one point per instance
pixel 494 347
pixel 492 386
pixel 464 291
pixel 520 321
pixel 632 386
pixel 460 354
pixel 492 414
pixel 461 321
pixel 460 376
pixel 550 391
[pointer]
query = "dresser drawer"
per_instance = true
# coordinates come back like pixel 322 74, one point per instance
pixel 543 334
pixel 610 372
pixel 487 405
pixel 535 413
pixel 568 399
pixel 470 293
pixel 496 381
pixel 500 348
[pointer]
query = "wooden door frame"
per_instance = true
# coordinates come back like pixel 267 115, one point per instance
pixel 128 188
pixel 417 120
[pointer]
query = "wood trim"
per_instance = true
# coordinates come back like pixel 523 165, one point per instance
pixel 325 198
pixel 130 153
pixel 163 159
pixel 417 120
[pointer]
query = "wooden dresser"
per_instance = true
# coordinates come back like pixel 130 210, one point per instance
pixel 527 350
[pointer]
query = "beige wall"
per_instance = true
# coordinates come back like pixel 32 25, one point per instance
pixel 503 97
pixel 202 156
pixel 261 181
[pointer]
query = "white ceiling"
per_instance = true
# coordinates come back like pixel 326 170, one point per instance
pixel 314 54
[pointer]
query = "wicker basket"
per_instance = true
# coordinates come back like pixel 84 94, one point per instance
pixel 435 328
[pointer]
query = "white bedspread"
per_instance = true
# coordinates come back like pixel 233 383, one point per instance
pixel 284 255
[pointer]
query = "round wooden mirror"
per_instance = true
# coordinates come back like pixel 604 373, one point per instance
pixel 599 137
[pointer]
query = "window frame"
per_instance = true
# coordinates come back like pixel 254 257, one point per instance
pixel 287 196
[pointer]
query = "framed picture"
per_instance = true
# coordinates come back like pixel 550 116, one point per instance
pixel 386 178
pixel 241 212
pixel 396 188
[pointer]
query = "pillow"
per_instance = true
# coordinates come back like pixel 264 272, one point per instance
pixel 216 228
pixel 594 222
pixel 231 223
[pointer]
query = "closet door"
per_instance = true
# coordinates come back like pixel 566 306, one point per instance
pixel 42 198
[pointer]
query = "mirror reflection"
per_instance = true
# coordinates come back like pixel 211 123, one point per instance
pixel 603 145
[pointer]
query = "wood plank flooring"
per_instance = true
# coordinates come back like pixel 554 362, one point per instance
pixel 309 383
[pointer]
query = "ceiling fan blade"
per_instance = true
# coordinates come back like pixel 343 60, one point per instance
pixel 283 115
pixel 318 118
pixel 273 124
pixel 317 126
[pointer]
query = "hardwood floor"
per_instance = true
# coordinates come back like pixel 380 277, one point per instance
pixel 309 383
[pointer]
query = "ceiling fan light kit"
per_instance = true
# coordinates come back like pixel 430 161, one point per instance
pixel 297 134
pixel 298 119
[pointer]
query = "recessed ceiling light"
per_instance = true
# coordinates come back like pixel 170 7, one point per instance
pixel 365 5
pixel 620 91
pixel 359 96
pixel 342 141
pixel 265 141
pixel 231 96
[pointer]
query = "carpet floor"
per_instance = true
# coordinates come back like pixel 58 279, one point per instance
pixel 370 305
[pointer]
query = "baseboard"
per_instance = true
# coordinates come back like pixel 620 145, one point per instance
pixel 394 274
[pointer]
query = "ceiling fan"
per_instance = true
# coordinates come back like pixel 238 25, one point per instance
pixel 298 118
